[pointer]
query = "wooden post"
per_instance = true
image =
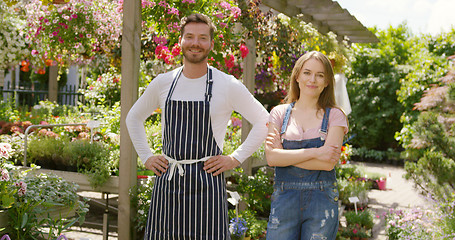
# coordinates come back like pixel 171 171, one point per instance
pixel 131 49
pixel 249 72
pixel 53 83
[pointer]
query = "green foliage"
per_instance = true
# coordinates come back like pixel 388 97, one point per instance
pixel 443 44
pixel 376 70
pixel 41 194
pixel 363 218
pixel 354 187
pixel 433 172
pixel 91 159
pixel 255 190
pixel 140 198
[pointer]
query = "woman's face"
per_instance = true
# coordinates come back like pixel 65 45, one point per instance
pixel 311 79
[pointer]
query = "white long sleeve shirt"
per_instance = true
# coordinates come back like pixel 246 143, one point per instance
pixel 228 94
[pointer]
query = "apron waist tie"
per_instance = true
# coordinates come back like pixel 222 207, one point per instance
pixel 179 163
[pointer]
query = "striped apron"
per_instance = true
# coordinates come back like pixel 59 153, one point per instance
pixel 193 203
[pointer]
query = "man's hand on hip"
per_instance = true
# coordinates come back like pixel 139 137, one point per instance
pixel 218 164
pixel 158 164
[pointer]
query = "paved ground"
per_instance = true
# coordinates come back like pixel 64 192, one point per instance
pixel 400 194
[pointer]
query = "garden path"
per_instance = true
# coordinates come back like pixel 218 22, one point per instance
pixel 399 194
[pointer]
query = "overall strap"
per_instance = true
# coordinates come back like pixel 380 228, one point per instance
pixel 325 123
pixel 287 116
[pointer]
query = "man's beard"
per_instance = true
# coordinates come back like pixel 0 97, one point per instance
pixel 188 56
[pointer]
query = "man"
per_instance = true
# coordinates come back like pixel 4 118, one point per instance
pixel 197 102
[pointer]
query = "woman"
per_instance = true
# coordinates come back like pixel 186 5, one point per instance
pixel 304 145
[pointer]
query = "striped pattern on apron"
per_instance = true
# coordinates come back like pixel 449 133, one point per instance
pixel 194 205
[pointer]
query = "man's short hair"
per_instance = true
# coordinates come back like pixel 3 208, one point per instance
pixel 197 18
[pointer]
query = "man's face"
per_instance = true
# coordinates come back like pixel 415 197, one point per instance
pixel 196 43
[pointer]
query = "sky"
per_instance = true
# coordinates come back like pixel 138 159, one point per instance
pixel 421 16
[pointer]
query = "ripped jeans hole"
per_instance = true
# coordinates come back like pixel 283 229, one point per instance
pixel 318 236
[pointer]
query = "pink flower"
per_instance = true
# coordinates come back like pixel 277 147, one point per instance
pixel 34 52
pixel 55 33
pixel 176 50
pixel 4 175
pixel 188 1
pixel 174 11
pixel 229 61
pixel 354 231
pixel 169 59
pixel 22 188
pixel 244 50
pixel 163 4
pixel 236 122
pixel 74 16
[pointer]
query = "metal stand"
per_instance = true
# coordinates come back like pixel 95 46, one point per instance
pixel 106 219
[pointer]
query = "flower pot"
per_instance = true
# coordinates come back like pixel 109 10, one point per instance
pixel 4 218
pixel 235 237
pixel 382 184
pixel 58 212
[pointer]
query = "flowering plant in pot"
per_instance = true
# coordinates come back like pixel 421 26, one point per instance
pixel 237 228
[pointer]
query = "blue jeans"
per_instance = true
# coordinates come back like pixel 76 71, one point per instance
pixel 304 210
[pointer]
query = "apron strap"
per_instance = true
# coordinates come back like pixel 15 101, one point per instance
pixel 208 86
pixel 174 83
pixel 179 163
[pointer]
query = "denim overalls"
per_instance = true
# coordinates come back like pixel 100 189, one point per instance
pixel 304 202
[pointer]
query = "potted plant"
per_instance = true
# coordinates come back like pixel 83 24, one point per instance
pixel 237 228
pixel 256 226
pixel 363 218
pixel 42 201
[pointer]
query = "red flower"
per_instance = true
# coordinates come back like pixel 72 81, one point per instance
pixel 41 71
pixel 244 50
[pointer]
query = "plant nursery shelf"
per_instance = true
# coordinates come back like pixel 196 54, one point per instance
pixel 111 186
